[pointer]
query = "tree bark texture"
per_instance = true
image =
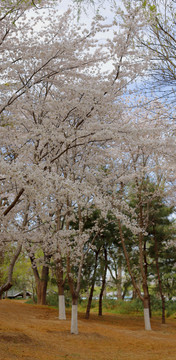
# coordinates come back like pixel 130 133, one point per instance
pixel 147 319
pixel 128 261
pixel 103 282
pixel 62 314
pixel 146 275
pixel 60 284
pixel 142 262
pixel 74 317
pixel 75 294
pixel 41 282
pixel 159 280
pixel 145 286
pixel 119 284
pixel 8 284
pixel 92 286
pixel 11 206
pixel 144 298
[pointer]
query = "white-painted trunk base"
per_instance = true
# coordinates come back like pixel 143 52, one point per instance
pixel 62 315
pixel 74 320
pixel 147 319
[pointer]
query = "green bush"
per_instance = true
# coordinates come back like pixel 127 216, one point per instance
pixel 116 307
pixel 109 304
pixel 52 299
pixel 131 306
pixel 170 308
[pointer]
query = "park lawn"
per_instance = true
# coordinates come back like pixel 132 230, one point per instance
pixel 31 332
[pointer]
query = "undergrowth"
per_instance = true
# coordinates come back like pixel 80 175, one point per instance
pixel 114 306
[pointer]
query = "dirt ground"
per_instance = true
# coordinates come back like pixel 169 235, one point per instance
pixel 30 332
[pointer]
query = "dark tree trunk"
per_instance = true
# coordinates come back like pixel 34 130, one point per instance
pixel 41 283
pixel 103 283
pixel 41 291
pixel 92 286
pixel 159 280
pixel 60 289
pixel 134 296
pixel 119 284
pixel 60 277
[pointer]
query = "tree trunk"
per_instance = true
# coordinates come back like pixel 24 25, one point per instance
pixel 74 316
pixel 24 294
pixel 41 292
pixel 60 284
pixel 60 273
pixel 128 262
pixel 142 263
pixel 146 276
pixel 62 313
pixel 159 280
pixel 74 293
pixel 144 298
pixel 134 296
pixel 92 286
pixel 41 283
pixel 146 313
pixel 33 291
pixel 103 283
pixel 119 285
pixel 8 284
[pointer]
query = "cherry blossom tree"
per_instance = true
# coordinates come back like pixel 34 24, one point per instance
pixel 142 159
pixel 65 131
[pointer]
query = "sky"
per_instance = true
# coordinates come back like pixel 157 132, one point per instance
pixel 87 10
pixel 83 17
pixel 86 13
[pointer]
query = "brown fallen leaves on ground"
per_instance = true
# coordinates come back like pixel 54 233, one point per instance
pixel 30 332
